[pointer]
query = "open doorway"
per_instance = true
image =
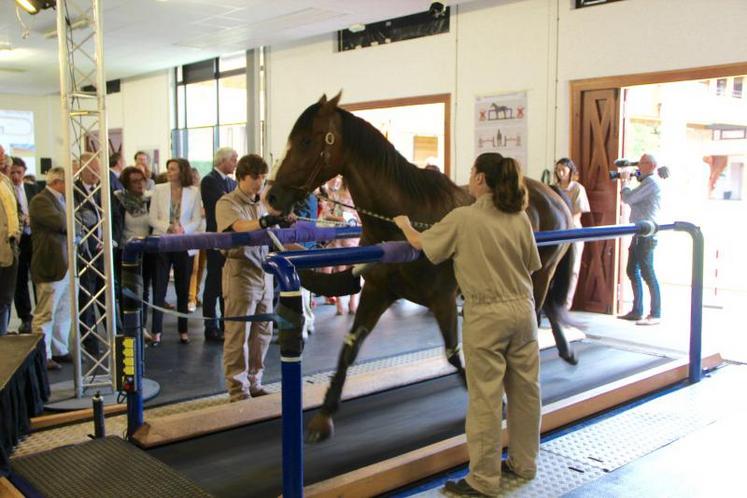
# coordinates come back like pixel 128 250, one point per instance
pixel 695 122
pixel 698 129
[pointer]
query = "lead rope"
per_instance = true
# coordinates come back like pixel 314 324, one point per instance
pixel 366 212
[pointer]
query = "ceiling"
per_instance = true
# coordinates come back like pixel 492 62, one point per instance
pixel 141 36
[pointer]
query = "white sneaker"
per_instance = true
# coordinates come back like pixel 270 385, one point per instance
pixel 191 307
pixel 649 320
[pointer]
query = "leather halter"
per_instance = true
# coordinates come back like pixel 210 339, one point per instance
pixel 322 160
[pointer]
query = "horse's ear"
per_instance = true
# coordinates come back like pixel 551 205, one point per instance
pixel 323 99
pixel 336 99
pixel 327 107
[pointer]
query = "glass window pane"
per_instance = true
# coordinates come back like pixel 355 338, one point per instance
pixel 234 136
pixel 232 61
pixel 202 104
pixel 233 99
pixel 181 114
pixel 200 148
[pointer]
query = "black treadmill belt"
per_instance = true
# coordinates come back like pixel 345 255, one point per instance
pixel 246 461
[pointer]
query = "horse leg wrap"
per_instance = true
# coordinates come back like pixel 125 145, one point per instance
pixel 342 283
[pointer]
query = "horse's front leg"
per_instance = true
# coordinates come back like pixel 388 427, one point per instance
pixel 374 301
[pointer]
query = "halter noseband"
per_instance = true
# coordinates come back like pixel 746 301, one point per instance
pixel 321 161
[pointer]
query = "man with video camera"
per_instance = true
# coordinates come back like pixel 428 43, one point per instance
pixel 644 202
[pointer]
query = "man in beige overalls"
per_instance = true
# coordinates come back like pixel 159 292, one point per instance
pixel 247 289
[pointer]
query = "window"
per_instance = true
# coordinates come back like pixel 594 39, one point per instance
pixel 721 86
pixel 211 105
pixel 737 89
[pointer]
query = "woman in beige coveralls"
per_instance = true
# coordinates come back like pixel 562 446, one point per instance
pixel 494 253
pixel 247 289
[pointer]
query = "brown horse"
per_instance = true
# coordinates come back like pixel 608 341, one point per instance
pixel 327 141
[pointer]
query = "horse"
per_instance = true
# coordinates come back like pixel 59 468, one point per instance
pixel 327 141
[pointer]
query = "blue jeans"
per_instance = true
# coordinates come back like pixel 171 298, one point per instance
pixel 641 264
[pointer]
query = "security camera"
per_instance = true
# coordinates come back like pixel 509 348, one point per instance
pixel 437 9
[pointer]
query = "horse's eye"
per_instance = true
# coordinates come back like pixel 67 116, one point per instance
pixel 306 141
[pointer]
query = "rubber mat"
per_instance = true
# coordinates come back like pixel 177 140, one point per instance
pixel 108 467
pixel 246 462
pixel 14 349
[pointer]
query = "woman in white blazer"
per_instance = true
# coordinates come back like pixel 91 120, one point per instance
pixel 175 208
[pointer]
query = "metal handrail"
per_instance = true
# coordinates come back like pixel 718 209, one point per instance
pixel 284 266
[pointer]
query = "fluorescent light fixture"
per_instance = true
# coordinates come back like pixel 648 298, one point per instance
pixel 36 6
pixel 356 28
pixel 78 23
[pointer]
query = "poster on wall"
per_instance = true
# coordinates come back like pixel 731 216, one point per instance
pixel 501 126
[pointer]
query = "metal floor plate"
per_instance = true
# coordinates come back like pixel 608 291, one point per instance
pixel 582 456
pixel 618 440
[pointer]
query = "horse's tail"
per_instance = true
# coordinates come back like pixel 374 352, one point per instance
pixel 557 293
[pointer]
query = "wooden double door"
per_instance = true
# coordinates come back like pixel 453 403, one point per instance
pixel 594 148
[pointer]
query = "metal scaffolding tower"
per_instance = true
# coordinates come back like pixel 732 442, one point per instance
pixel 83 93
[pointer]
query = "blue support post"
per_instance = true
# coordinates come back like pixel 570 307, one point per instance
pixel 132 329
pixel 696 300
pixel 291 349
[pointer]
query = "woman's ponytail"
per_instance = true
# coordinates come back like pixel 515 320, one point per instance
pixel 503 176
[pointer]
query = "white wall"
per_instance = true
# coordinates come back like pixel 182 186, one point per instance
pixel 500 46
pixel 640 36
pixel 141 109
pixel 47 123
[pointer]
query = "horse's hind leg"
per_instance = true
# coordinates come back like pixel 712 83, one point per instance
pixel 541 282
pixel 373 303
pixel 445 312
pixel 565 350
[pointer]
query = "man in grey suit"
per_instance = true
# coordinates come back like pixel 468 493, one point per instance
pixel 49 268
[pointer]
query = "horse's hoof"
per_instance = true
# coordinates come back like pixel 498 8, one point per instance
pixel 320 428
pixel 570 358
pixel 463 377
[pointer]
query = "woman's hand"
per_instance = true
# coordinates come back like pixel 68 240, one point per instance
pixel 402 221
pixel 412 235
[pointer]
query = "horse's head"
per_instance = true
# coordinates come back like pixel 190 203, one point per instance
pixel 313 156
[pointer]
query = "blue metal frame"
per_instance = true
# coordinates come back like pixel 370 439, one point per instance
pixel 284 267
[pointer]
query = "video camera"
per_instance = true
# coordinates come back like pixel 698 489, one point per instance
pixel 624 164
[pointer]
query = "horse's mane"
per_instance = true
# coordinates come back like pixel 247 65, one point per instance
pixel 427 188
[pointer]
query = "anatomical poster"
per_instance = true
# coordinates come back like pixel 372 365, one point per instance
pixel 501 125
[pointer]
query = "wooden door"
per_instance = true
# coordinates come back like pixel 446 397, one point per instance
pixel 595 143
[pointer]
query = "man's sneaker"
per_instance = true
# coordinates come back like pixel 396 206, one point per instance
pixel 461 488
pixel 649 320
pixel 53 365
pixel 630 316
